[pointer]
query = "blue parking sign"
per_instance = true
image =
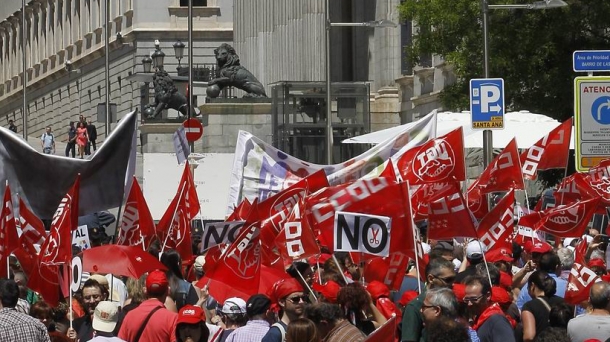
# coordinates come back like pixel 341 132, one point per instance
pixel 487 103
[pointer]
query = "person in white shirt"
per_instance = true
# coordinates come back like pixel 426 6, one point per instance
pixel 105 318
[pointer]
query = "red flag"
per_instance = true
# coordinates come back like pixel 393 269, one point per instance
pixel 137 225
pixel 388 270
pixel 504 172
pixel 32 227
pixel 45 280
pixel 174 228
pixel 421 198
pixel 550 152
pixel 274 210
pixel 581 277
pixel 240 212
pixel 57 248
pixel 375 196
pixel 596 183
pixel 9 240
pixel 497 228
pixel 563 221
pixel 240 264
pixel 296 240
pixel 567 191
pixel 439 160
pixel 477 201
pixel 385 333
pixel 26 254
pixel 449 216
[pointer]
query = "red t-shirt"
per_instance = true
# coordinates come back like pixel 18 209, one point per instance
pixel 160 328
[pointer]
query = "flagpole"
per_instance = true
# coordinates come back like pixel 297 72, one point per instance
pixel 119 218
pixel 306 284
pixel 70 289
pixel 340 269
pixel 171 226
pixel 415 241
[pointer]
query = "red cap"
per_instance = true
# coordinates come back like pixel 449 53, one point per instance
pixel 500 295
pixel 328 290
pixel 407 297
pixel 460 291
pixel 283 288
pixel 506 280
pixel 190 314
pixel 597 262
pixel 378 289
pixel 499 254
pixel 156 282
pixel 537 247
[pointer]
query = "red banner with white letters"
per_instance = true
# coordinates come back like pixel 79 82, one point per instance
pixel 550 152
pixel 504 172
pixel 497 227
pixel 449 216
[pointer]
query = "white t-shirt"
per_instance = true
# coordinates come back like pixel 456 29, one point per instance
pixel 586 327
pixel 106 339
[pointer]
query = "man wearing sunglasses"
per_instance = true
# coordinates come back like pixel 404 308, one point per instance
pixel 289 295
pixel 488 318
pixel 439 273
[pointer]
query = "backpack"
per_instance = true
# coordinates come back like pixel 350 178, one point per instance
pixel 282 330
pixel 182 294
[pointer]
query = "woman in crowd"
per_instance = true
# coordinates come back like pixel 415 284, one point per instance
pixel 181 291
pixel 81 138
pixel 302 330
pixel 359 309
pixel 535 313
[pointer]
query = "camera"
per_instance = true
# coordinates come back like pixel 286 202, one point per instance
pixel 68 66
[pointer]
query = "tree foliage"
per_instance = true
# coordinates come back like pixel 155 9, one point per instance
pixel 530 49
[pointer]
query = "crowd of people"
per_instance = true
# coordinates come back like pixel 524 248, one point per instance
pixel 460 297
pixel 81 134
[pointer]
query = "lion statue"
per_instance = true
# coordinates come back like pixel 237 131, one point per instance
pixel 232 74
pixel 166 96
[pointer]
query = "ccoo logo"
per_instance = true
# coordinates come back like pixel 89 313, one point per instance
pixel 435 163
pixel 563 220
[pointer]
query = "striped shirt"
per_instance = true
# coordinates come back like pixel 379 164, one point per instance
pixel 16 327
pixel 253 331
pixel 344 332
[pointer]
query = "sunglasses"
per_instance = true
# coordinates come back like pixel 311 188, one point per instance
pixel 472 299
pixel 298 299
pixel 424 307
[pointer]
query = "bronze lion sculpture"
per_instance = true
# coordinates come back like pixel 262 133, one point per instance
pixel 232 74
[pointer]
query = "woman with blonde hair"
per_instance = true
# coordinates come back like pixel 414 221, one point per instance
pixel 302 330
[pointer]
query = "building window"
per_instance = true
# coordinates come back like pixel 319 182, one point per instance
pixel 196 3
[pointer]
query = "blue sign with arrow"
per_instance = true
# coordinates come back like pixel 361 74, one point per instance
pixel 487 103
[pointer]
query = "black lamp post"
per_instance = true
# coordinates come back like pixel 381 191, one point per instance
pixel 179 52
pixel 147 64
pixel 158 57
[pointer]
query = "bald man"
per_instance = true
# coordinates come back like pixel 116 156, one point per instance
pixel 594 325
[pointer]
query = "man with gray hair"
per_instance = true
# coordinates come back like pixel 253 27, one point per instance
pixel 566 260
pixel 596 324
pixel 441 302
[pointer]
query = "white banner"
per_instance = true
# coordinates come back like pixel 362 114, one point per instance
pixel 218 233
pixel 80 238
pixel 77 273
pixel 261 170
pixel 356 232
pixel 181 145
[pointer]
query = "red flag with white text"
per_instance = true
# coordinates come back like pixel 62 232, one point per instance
pixel 438 160
pixel 550 152
pixel 297 240
pixel 504 171
pixel 448 215
pixel 563 221
pixel 567 190
pixel 174 228
pixel 137 225
pixel 241 211
pixel 420 199
pixel 32 227
pixel 497 227
pixel 477 201
pixel 581 277
pixel 57 248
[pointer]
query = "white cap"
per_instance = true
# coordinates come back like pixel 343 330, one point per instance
pixel 568 241
pixel 199 262
pixel 234 305
pixel 425 247
pixel 105 316
pixel 475 249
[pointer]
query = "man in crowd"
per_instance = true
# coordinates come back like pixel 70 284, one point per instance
pixel 151 321
pixel 474 256
pixel 439 273
pixel 548 262
pixel 11 126
pixel 14 325
pixel 288 294
pixel 596 324
pixel 257 325
pixel 71 143
pixel 92 134
pixel 233 315
pixel 93 294
pixel 48 141
pixel 488 318
pixel 331 325
pixel 105 319
pixel 441 303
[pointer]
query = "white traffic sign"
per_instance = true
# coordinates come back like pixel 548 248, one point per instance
pixel 592 117
pixel 487 103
